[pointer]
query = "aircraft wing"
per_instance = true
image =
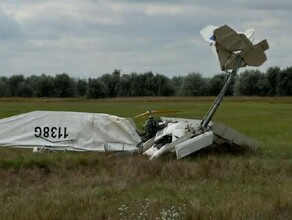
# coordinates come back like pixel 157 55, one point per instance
pixel 74 131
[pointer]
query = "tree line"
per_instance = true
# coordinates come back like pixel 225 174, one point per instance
pixel 273 82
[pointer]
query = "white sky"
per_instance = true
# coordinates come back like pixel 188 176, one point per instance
pixel 91 37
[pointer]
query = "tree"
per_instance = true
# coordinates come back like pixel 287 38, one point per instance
pixel 24 90
pixel 193 85
pixel 13 84
pixel 32 81
pixel 176 83
pixel 116 78
pixel 250 82
pixel 284 82
pixel 64 86
pixel 262 84
pixel 125 85
pixel 81 85
pixel 4 90
pixel 45 86
pixel 150 84
pixel 216 83
pixel 112 82
pixel 164 85
pixel 137 85
pixel 96 88
pixel 272 80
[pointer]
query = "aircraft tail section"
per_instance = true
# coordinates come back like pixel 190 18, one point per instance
pixel 230 44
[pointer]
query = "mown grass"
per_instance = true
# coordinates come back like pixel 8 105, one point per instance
pixel 209 185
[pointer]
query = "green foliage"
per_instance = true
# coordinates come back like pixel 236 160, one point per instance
pixel 4 90
pixel 45 86
pixel 14 82
pixel 125 86
pixel 64 86
pixel 24 90
pixel 176 83
pixel 275 82
pixel 284 82
pixel 193 85
pixel 96 88
pixel 81 85
pixel 250 83
pixel 165 87
pixel 216 83
pixel 272 80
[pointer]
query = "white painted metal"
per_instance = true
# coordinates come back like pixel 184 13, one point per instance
pixel 194 144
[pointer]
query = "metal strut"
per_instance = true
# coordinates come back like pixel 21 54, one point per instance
pixel 218 100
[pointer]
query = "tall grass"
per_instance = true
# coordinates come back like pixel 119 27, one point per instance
pixel 208 185
pixel 94 186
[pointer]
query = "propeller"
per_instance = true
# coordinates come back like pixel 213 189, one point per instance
pixel 150 113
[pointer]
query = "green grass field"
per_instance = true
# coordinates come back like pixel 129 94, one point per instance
pixel 212 185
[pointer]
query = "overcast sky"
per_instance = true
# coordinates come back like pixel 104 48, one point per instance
pixel 91 37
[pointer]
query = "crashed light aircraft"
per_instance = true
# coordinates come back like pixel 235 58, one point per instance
pixel 76 131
